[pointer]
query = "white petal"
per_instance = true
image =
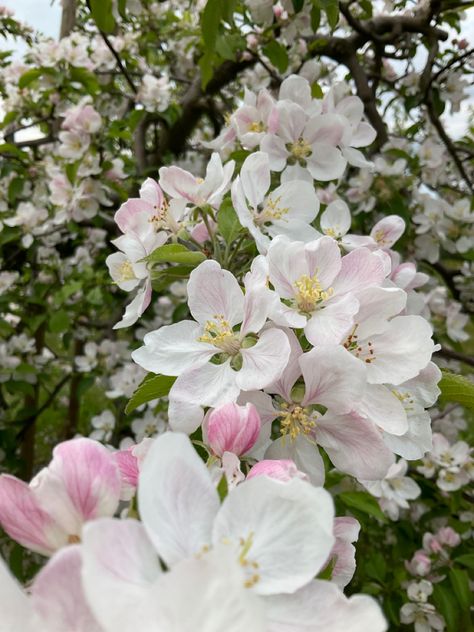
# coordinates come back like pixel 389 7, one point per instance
pixel 255 177
pixel 172 349
pixel 303 452
pixel 264 362
pixel 278 518
pixel 213 291
pixel 176 498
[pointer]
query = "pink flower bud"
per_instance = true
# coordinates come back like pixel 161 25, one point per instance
pixel 278 11
pixel 448 536
pixel 420 564
pixel 233 428
pixel 281 469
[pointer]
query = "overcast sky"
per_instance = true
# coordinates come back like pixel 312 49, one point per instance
pixel 45 16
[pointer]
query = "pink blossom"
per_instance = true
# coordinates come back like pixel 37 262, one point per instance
pixel 81 483
pixel 232 428
pixel 280 469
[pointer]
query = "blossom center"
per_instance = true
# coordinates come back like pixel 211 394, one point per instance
pixel 257 126
pixel 310 292
pixel 271 211
pixel 300 149
pixel 364 351
pixel 218 332
pixel 295 421
pixel 126 272
pixel 245 546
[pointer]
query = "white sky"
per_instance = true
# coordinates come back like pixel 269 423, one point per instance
pixel 45 16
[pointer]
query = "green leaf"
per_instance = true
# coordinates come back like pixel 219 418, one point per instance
pixel 465 560
pixel 363 502
pixel 15 189
pixel 277 54
pixel 101 11
pixel 176 253
pixel 210 20
pixel 59 322
pixel 316 91
pixel 12 150
pixel 456 388
pixel 222 488
pixel 86 78
pixel 206 64
pixel 331 9
pixel 315 18
pixel 445 602
pixel 228 222
pixel 152 387
pixel 298 5
pixel 29 76
pixel 460 582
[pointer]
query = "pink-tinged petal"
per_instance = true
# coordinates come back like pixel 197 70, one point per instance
pixel 151 192
pixel 327 129
pixel 336 219
pixel 384 409
pixel 323 259
pixel 276 150
pixel 259 301
pixel 304 452
pixel 292 371
pixel 208 385
pixel 291 121
pixel 401 351
pixel 89 476
pixel 207 594
pixel 128 217
pixel 264 363
pixel 232 428
pixel 322 607
pixel 332 378
pixel 354 445
pixel 25 520
pixel 359 270
pixel 136 308
pixel 286 264
pixel 364 135
pixel 332 323
pixel 279 516
pixel 262 402
pixel 57 595
pixel 280 469
pixel 128 466
pixel 346 531
pixel 377 306
pixel 351 108
pixel 296 89
pixel 416 442
pixel 179 183
pixel 15 606
pixel 255 177
pixel 214 292
pixel 200 233
pixel 120 565
pixel 425 385
pixel 176 498
pixel 326 162
pixel 172 349
pixel 356 158
pixel 388 230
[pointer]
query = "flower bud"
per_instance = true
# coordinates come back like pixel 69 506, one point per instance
pixel 447 536
pixel 281 469
pixel 233 428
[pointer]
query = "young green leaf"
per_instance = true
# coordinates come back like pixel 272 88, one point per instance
pixel 152 387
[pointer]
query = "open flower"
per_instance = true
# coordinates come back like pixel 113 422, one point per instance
pixel 213 358
pixel 81 483
pixel 287 210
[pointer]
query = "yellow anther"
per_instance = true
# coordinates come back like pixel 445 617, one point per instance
pixel 310 293
pixel 296 421
pixel 257 126
pixel 218 332
pixel 126 272
pixel 271 211
pixel 199 180
pixel 300 149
